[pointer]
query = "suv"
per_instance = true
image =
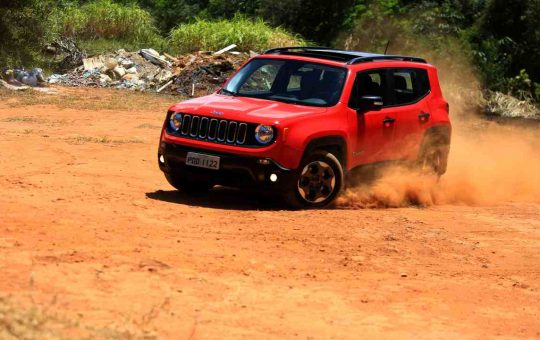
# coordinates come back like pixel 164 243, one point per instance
pixel 297 120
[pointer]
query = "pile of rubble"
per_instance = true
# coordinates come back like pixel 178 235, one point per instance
pixel 190 75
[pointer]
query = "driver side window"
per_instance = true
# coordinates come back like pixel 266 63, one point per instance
pixel 370 83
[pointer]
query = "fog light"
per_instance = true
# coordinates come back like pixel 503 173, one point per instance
pixel 273 178
pixel 161 159
pixel 263 161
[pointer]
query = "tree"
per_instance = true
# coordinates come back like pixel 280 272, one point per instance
pixel 516 24
pixel 317 20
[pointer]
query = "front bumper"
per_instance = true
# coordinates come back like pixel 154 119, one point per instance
pixel 235 170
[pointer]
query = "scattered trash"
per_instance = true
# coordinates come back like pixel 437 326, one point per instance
pixel 194 74
pixel 202 73
pixel 55 78
pixel 21 79
pixel 13 87
pixel 164 87
pixel 228 48
pixel 68 54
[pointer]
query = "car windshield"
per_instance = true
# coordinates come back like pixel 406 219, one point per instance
pixel 290 81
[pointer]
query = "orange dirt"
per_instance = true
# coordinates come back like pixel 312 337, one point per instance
pixel 90 230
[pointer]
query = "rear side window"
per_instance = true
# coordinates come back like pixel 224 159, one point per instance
pixel 409 85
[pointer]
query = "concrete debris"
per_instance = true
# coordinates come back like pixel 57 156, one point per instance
pixel 110 64
pixel 194 74
pixel 119 71
pixel 104 79
pixel 92 63
pixel 132 70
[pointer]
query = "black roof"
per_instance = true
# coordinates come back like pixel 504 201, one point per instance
pixel 348 57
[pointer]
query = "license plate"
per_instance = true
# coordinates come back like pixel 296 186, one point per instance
pixel 202 161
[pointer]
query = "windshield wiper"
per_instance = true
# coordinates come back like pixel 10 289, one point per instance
pixel 284 100
pixel 229 92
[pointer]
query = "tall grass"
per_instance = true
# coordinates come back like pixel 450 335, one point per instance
pixel 105 20
pixel 248 34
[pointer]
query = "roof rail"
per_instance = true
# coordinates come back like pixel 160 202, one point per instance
pixel 290 48
pixel 349 57
pixel 385 57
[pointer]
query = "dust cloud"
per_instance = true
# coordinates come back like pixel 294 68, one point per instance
pixel 487 165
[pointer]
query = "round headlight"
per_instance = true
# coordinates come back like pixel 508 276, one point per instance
pixel 264 134
pixel 176 121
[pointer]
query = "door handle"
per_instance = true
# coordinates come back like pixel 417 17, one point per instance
pixel 423 117
pixel 388 121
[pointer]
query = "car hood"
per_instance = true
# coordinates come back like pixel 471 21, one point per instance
pixel 245 108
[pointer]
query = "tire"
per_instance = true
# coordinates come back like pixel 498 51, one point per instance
pixel 433 155
pixel 318 181
pixel 188 186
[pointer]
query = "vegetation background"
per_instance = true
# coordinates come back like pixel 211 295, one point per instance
pixel 500 38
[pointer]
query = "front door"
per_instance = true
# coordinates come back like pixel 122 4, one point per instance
pixel 375 128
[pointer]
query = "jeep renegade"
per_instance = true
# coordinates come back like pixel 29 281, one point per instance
pixel 297 120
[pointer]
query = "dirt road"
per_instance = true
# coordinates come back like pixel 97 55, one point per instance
pixel 91 233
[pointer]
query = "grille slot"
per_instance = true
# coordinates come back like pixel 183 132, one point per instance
pixel 222 131
pixel 214 130
pixel 186 123
pixel 203 128
pixel 231 132
pixel 194 129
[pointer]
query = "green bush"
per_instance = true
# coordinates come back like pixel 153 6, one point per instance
pixel 105 20
pixel 23 32
pixel 213 35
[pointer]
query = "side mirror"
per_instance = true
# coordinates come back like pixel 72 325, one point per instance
pixel 370 103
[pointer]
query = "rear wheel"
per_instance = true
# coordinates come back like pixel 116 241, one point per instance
pixel 433 154
pixel 318 182
pixel 188 186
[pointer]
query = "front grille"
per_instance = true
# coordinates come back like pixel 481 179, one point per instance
pixel 215 130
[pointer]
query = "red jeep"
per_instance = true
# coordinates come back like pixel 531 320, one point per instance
pixel 297 120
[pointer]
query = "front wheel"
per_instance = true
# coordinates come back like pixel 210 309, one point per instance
pixel 188 186
pixel 318 182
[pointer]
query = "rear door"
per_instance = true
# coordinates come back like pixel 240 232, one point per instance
pixel 409 89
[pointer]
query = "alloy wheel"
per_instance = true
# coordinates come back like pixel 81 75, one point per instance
pixel 317 182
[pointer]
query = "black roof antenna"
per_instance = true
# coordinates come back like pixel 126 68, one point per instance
pixel 387 44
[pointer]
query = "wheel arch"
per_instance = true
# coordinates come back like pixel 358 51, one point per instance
pixel 442 132
pixel 335 144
